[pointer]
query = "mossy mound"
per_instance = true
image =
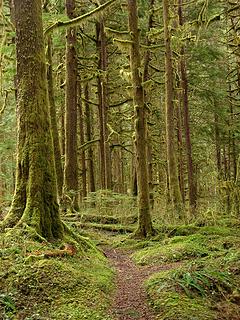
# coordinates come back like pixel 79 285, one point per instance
pixel 113 228
pixel 174 249
pixel 209 241
pixel 102 219
pixel 34 286
pixel 186 230
pixel 206 284
pixel 174 306
pixel 194 291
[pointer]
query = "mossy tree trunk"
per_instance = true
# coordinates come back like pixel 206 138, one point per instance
pixel 35 198
pixel 145 227
pixel 147 61
pixel 71 163
pixel 105 157
pixel 175 193
pixel 56 143
pixel 179 118
pixel 90 154
pixel 82 141
pixel 192 192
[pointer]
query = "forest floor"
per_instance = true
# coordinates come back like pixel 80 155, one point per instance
pixel 185 272
pixel 130 298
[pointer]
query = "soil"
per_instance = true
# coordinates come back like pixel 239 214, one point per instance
pixel 130 301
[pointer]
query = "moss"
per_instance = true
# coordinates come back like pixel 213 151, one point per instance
pixel 173 249
pixel 209 241
pixel 186 230
pixel 105 227
pixel 174 306
pixel 102 219
pixel 69 287
pixel 219 230
pixel 181 230
pixel 194 291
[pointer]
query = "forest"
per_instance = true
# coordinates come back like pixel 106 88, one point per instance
pixel 119 159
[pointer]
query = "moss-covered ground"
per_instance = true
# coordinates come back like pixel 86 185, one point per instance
pixel 204 283
pixel 35 286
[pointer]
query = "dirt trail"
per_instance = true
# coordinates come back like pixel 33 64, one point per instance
pixel 130 301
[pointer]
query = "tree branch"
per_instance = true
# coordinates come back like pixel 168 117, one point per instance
pixel 76 21
pixel 88 144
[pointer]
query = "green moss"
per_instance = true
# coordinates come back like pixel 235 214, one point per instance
pixel 210 242
pixel 105 227
pixel 174 249
pixel 181 230
pixel 186 230
pixel 174 306
pixel 219 230
pixel 69 287
pixel 194 291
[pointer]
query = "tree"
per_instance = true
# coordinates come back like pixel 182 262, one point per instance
pixel 71 163
pixel 56 143
pixel 175 193
pixel 185 100
pixel 105 160
pixel 35 198
pixel 145 227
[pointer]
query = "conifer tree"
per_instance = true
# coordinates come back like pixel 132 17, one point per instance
pixel 35 198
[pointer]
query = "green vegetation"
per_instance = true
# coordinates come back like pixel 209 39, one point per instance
pixel 128 128
pixel 36 286
pixel 205 282
pixel 200 277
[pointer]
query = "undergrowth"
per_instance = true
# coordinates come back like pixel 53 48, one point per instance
pixel 203 284
pixel 195 291
pixel 37 287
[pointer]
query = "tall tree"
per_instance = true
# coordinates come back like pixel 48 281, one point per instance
pixel 82 140
pixel 71 163
pixel 145 227
pixel 90 155
pixel 170 134
pixel 56 143
pixel 192 192
pixel 105 170
pixel 35 198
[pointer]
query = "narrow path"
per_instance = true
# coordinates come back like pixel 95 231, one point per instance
pixel 130 301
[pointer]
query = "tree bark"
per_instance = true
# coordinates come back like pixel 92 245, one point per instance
pixel 145 227
pixel 56 143
pixel 180 147
pixel 217 142
pixel 90 161
pixel 170 136
pixel 192 191
pixel 105 157
pixel 71 163
pixel 82 141
pixel 35 198
pixel 147 60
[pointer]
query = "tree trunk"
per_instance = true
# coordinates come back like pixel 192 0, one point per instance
pixel 105 158
pixel 56 143
pixel 147 60
pixel 192 192
pixel 35 198
pixel 170 136
pixel 145 227
pixel 180 148
pixel 71 163
pixel 217 142
pixel 90 161
pixel 82 141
